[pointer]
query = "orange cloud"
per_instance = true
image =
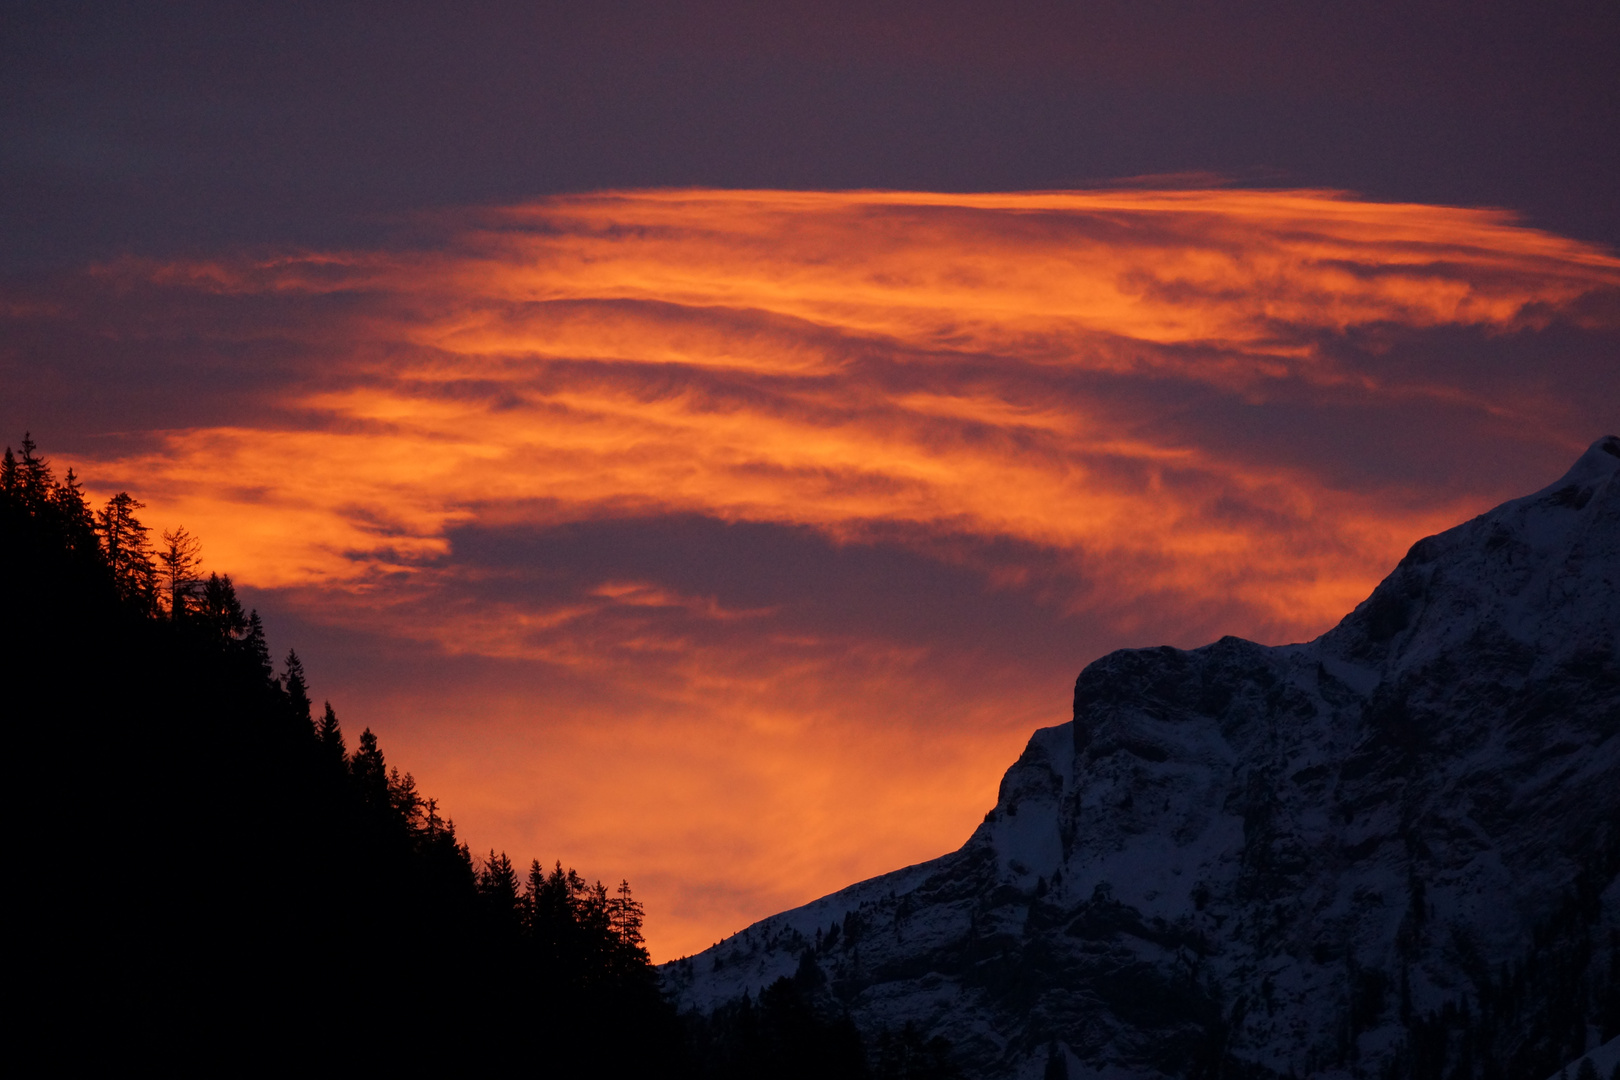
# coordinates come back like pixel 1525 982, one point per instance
pixel 979 380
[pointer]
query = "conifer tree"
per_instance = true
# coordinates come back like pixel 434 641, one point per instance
pixel 551 905
pixel 406 801
pixel 625 916
pixel 8 474
pixel 220 610
pixel 75 519
pixel 498 885
pixel 531 897
pixel 433 826
pixel 34 480
pixel 297 689
pixel 258 649
pixel 331 735
pixel 436 839
pixel 369 771
pixel 128 554
pixel 180 558
pixel 591 912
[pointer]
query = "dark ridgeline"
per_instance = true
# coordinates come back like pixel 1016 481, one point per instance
pixel 211 877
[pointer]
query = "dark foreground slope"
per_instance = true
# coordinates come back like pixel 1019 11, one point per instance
pixel 1391 851
pixel 202 878
pixel 206 878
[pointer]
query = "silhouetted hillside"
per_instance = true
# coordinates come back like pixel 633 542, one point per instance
pixel 212 874
pixel 213 878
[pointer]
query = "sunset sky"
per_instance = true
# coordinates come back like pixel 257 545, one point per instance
pixel 704 446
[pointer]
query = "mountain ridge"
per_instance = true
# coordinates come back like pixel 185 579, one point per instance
pixel 1264 860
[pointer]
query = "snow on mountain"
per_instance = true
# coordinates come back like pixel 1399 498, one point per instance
pixel 1319 859
pixel 1605 1062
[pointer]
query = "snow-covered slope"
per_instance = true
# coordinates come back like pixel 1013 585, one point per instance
pixel 1313 858
pixel 1605 1061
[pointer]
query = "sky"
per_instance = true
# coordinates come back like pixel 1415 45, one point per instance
pixel 704 444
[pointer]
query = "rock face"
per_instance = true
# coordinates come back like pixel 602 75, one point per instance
pixel 1335 858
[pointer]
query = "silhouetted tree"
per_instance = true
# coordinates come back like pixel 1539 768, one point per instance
pixel 405 801
pixel 129 555
pixel 330 734
pixel 297 690
pixel 76 523
pixel 257 648
pixel 369 772
pixel 180 557
pixel 625 916
pixel 33 477
pixel 498 885
pixel 220 611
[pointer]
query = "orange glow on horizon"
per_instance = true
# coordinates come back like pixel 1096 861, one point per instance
pixel 941 374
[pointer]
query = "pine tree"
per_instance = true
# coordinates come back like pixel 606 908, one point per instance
pixel 220 610
pixel 33 480
pixel 331 736
pixel 591 913
pixel 369 771
pixel 498 885
pixel 258 649
pixel 436 838
pixel 124 541
pixel 551 912
pixel 297 689
pixel 75 519
pixel 406 801
pixel 625 915
pixel 180 558
pixel 433 826
pixel 531 897
pixel 8 474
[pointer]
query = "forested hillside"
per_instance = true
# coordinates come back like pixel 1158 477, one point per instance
pixel 214 876
pixel 215 870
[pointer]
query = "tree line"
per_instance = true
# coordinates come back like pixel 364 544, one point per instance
pixel 272 867
pixel 212 871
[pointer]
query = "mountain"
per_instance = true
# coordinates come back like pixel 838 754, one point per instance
pixel 1391 851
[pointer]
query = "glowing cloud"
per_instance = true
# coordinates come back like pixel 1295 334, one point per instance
pixel 1058 396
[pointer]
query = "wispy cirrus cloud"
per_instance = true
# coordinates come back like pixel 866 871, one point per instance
pixel 796 475
pixel 840 360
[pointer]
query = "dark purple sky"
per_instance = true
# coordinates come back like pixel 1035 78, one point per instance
pixel 157 128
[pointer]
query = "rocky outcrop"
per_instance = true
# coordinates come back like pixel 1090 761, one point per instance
pixel 1388 851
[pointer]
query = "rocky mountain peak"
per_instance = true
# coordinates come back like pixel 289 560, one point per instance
pixel 1314 859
